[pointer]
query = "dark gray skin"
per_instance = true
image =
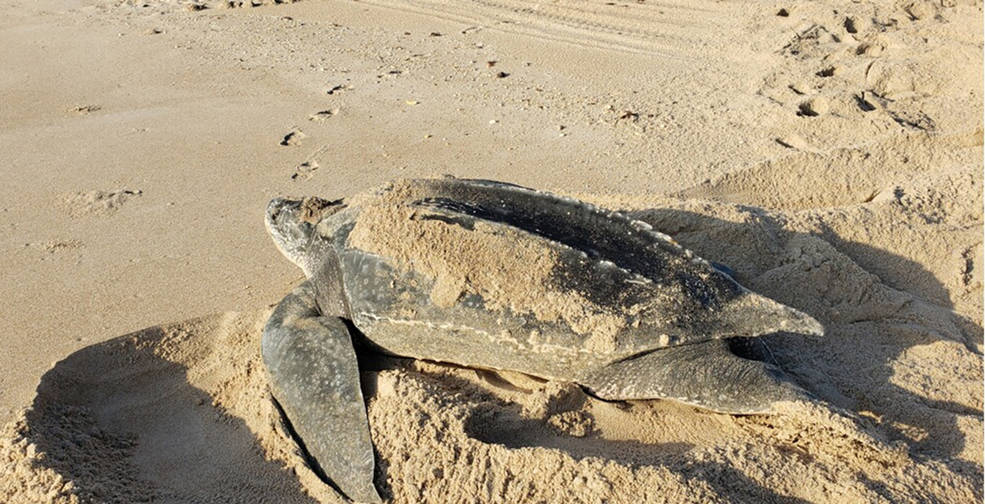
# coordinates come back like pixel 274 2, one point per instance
pixel 678 350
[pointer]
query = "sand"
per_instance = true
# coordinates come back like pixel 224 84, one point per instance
pixel 830 153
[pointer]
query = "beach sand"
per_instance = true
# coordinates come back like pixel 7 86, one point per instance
pixel 830 153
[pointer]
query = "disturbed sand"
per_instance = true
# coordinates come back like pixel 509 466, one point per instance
pixel 830 153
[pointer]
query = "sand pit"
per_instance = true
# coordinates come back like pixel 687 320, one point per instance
pixel 181 412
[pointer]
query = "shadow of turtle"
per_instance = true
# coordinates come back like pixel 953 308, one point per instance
pixel 513 430
pixel 124 424
pixel 874 328
pixel 727 481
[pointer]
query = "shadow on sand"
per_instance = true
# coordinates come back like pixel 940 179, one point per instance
pixel 125 425
pixel 869 325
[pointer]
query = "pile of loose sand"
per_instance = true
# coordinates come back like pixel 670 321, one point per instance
pixel 181 412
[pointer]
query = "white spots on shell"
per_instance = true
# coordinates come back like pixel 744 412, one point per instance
pixel 648 230
pixel 634 277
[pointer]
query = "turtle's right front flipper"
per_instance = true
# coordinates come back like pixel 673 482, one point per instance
pixel 315 378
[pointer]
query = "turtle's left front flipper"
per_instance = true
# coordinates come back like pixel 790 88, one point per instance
pixel 315 378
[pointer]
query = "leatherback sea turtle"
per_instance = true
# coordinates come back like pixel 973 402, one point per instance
pixel 497 276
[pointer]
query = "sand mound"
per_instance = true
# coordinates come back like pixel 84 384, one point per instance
pixel 181 413
pixel 175 414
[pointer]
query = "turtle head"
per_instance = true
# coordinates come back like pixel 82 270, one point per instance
pixel 291 224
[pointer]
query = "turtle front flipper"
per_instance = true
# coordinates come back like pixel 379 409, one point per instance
pixel 704 374
pixel 315 378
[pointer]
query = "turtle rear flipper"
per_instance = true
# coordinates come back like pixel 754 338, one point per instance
pixel 704 374
pixel 315 379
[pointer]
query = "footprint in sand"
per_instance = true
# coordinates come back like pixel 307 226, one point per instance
pixel 86 109
pixel 55 246
pixel 56 249
pixel 305 170
pixel 338 88
pixel 856 24
pixel 293 138
pixel 98 202
pixel 323 115
pixel 816 106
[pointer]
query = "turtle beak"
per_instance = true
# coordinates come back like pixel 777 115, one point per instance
pixel 281 214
